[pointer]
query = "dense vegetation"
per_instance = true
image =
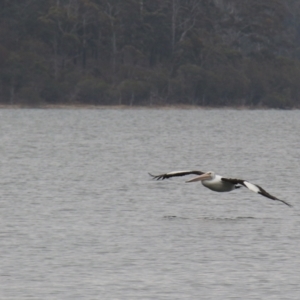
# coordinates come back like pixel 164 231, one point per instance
pixel 148 52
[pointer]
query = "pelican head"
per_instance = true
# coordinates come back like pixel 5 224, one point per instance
pixel 206 176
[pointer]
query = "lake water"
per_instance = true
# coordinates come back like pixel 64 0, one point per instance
pixel 80 218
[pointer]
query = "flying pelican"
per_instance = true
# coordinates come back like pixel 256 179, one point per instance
pixel 218 183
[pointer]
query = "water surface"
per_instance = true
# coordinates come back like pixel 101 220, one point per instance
pixel 81 219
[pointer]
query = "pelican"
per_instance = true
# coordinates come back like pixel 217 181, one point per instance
pixel 219 183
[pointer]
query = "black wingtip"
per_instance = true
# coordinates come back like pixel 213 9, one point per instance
pixel 157 177
pixel 290 205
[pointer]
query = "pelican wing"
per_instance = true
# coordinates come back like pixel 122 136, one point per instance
pixel 254 188
pixel 175 173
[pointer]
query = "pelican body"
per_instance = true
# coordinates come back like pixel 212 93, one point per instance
pixel 214 182
pixel 219 183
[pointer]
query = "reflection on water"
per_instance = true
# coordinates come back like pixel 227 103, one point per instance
pixel 81 219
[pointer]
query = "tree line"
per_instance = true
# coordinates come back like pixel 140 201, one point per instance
pixel 150 52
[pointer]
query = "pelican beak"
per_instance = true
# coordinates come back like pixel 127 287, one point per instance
pixel 200 178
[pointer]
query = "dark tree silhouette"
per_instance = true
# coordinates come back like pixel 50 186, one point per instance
pixel 150 52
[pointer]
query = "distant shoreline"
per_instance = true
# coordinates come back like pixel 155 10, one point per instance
pixel 137 107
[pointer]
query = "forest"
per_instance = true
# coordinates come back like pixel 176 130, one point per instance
pixel 238 53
